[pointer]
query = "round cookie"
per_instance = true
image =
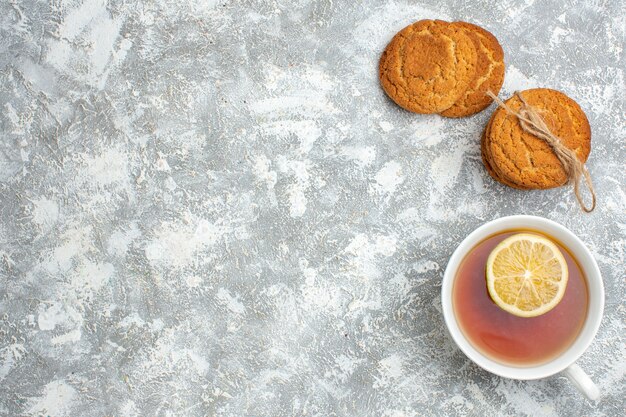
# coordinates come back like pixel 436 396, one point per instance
pixel 427 66
pixel 526 160
pixel 489 73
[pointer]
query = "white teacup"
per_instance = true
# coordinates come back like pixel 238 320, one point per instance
pixel 565 362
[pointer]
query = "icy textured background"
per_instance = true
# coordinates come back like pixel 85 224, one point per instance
pixel 211 208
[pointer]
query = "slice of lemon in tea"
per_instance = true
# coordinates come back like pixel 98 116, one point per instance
pixel 526 275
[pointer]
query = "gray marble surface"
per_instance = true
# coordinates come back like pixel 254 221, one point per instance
pixel 211 208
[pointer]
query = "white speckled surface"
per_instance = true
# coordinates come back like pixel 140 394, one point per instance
pixel 211 208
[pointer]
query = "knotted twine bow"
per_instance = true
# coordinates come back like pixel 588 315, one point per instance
pixel 533 123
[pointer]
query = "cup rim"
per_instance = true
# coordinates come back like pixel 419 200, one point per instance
pixel 594 284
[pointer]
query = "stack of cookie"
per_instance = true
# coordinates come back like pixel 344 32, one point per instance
pixel 434 66
pixel 520 159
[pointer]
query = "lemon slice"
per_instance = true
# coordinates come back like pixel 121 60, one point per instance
pixel 526 275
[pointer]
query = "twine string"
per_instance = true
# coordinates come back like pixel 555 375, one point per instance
pixel 532 122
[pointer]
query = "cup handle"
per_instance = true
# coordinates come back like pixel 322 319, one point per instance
pixel 582 381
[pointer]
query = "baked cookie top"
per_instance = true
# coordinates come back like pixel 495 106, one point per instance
pixel 488 164
pixel 427 66
pixel 526 160
pixel 489 73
